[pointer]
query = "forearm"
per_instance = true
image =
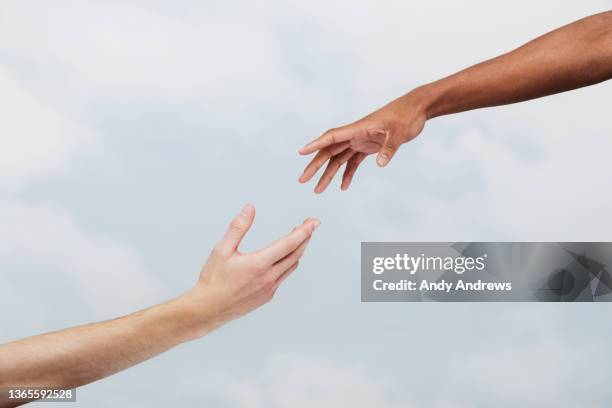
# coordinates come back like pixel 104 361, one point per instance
pixel 80 355
pixel 230 285
pixel 570 57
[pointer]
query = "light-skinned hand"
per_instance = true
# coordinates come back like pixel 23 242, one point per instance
pixel 232 284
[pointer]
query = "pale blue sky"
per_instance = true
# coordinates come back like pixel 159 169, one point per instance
pixel 135 130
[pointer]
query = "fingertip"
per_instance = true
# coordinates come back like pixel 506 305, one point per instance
pixel 314 224
pixel 311 224
pixel 306 220
pixel 248 210
pixel 321 186
pixel 305 150
pixel 303 178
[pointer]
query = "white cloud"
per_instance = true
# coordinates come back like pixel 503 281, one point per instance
pixel 227 62
pixel 533 366
pixel 38 141
pixel 532 374
pixel 35 139
pixel 478 187
pixel 303 382
pixel 31 314
pixel 108 277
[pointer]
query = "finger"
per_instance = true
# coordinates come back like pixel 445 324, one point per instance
pixel 332 136
pixel 320 158
pixel 389 147
pixel 285 263
pixel 237 230
pixel 332 169
pixel 289 243
pixel 284 276
pixel 351 168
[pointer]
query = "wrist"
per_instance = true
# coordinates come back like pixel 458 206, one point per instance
pixel 197 313
pixel 428 99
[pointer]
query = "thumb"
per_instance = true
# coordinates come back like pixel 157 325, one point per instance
pixel 237 230
pixel 388 149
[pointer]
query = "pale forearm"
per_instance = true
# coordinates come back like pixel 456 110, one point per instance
pixel 570 57
pixel 230 284
pixel 80 355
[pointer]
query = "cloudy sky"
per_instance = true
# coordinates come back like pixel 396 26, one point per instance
pixel 132 131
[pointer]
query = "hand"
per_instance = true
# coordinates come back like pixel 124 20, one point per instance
pixel 232 284
pixel 380 132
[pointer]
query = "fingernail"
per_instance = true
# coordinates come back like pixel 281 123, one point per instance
pixel 382 159
pixel 317 222
pixel 246 210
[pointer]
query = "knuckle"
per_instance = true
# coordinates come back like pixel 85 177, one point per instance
pixel 331 133
pixel 253 263
pixel 303 233
pixel 258 263
pixel 390 145
pixel 267 281
pixel 296 264
pixel 292 259
pixel 326 153
pixel 217 250
pixel 238 225
pixel 269 295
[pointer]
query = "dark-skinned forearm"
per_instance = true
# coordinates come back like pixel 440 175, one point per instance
pixel 573 56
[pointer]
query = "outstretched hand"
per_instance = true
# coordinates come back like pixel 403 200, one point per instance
pixel 381 132
pixel 232 283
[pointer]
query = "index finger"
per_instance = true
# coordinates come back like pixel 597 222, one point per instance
pixel 328 138
pixel 289 243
